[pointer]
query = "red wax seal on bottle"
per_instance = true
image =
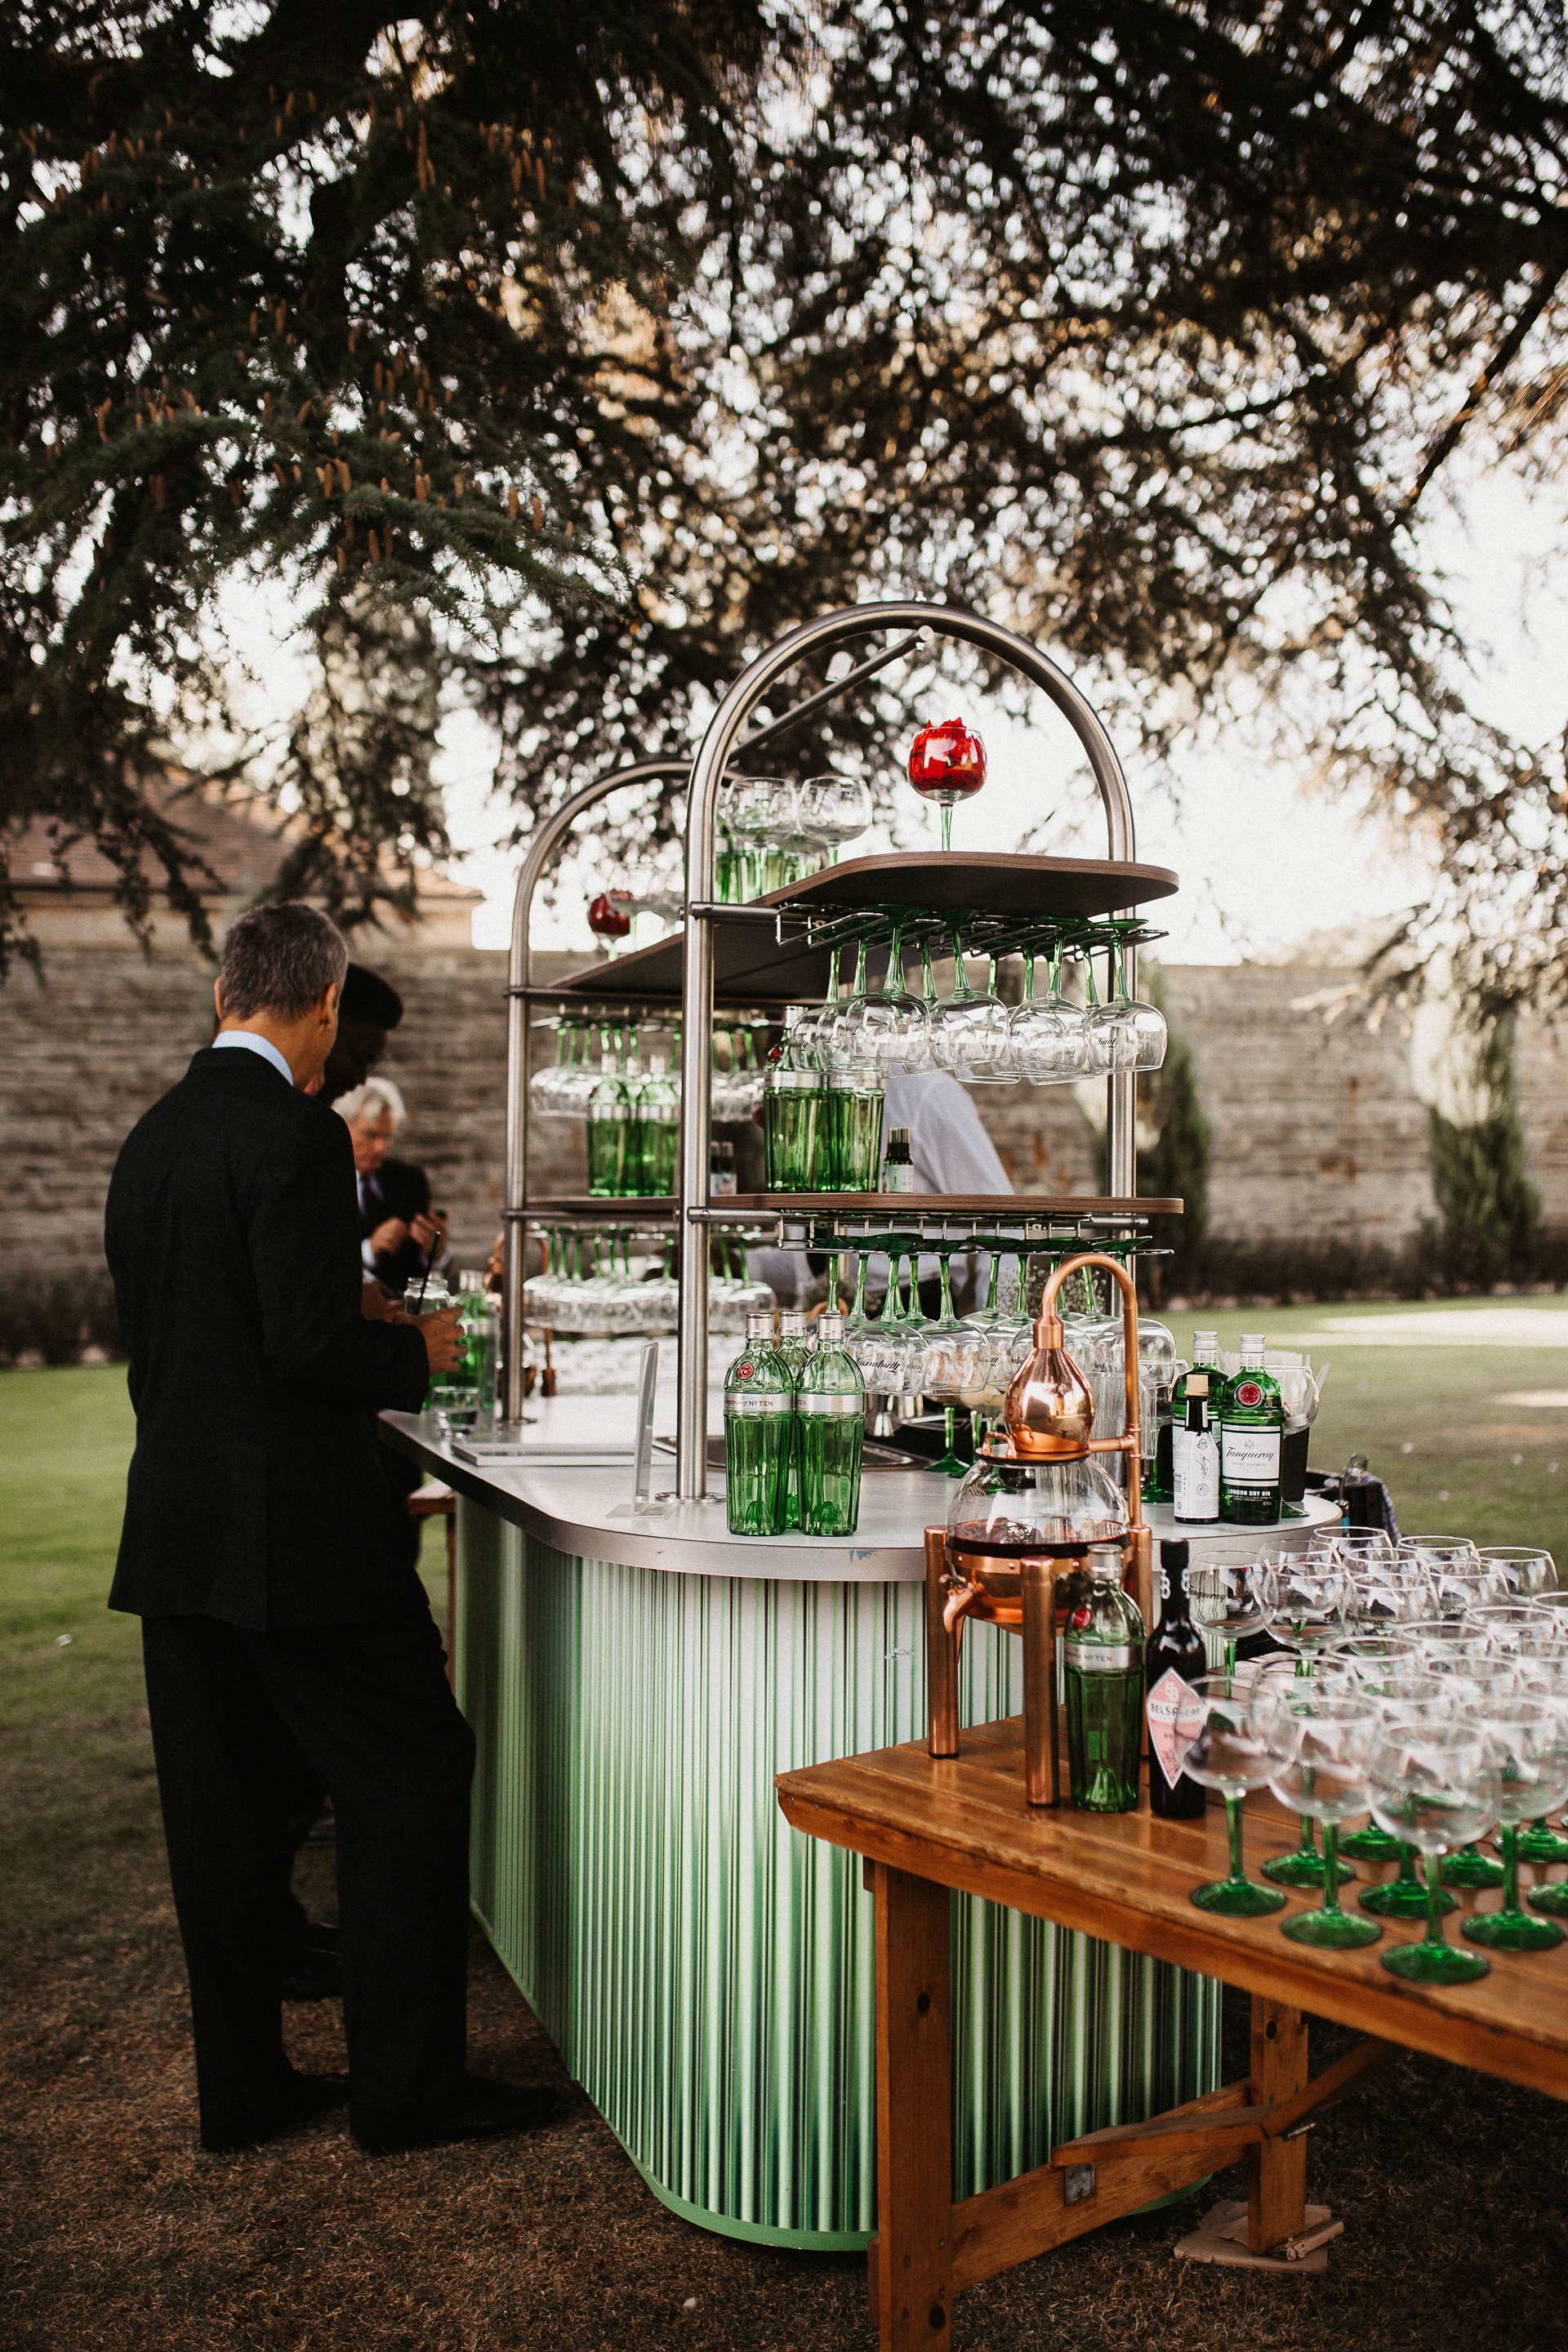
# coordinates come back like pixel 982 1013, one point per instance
pixel 947 761
pixel 607 917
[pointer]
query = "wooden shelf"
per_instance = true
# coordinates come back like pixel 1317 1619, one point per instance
pixel 751 967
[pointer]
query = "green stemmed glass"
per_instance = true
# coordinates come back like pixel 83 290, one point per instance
pixel 1434 1786
pixel 1371 1658
pixel 955 1359
pixel 1415 1697
pixel 1319 1743
pixel 1223 1598
pixel 1526 1736
pixel 1224 1751
pixel 1302 1602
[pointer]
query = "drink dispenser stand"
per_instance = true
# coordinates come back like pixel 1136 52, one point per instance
pixel 1024 1520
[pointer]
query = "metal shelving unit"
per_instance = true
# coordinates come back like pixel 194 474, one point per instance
pixel 782 949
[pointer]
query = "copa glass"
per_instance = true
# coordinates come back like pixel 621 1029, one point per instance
pixel 954 1363
pixel 886 1023
pixel 1221 1596
pixel 1318 1742
pixel 1220 1749
pixel 1047 1036
pixel 968 1029
pixel 1527 1739
pixel 1276 1684
pixel 1405 1695
pixel 1124 1033
pixel 1529 1569
pixel 832 810
pixel 1434 1786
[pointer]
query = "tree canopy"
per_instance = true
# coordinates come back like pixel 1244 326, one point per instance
pixel 1155 328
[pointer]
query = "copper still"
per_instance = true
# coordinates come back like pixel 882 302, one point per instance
pixel 1026 1519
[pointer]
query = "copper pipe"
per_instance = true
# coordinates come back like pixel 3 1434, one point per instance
pixel 1042 1758
pixel 942 1651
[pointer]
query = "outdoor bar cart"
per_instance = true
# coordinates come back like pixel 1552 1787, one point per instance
pixel 636 1676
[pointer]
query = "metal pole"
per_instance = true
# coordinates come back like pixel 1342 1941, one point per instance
pixel 541 847
pixel 829 630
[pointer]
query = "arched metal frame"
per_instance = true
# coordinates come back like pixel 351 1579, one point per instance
pixel 547 836
pixel 718 745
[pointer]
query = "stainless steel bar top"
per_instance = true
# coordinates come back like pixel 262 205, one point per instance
pixel 573 1488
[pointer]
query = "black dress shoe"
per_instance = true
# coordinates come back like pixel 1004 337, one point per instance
pixel 482 2110
pixel 305 2097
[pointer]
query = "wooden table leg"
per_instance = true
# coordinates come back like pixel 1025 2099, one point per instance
pixel 913 2249
pixel 1276 2169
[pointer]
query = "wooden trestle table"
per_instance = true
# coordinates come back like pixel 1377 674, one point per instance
pixel 927 1827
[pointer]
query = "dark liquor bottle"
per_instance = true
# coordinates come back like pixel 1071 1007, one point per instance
pixel 1174 1658
pixel 1251 1440
pixel 1102 1662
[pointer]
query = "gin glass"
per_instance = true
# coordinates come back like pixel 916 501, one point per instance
pixel 955 1362
pixel 1434 1786
pixel 1224 1751
pixel 1048 1036
pixel 1320 1741
pixel 1527 1739
pixel 1529 1569
pixel 1125 1034
pixel 968 1032
pixel 831 809
pixel 1409 1697
pixel 1302 1602
pixel 1221 1596
pixel 885 1025
pixel 946 764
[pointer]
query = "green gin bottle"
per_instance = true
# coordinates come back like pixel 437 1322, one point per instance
pixel 658 1114
pixel 795 1343
pixel 1251 1418
pixel 1102 1661
pixel 851 1156
pixel 829 1433
pixel 609 1122
pixel 759 1425
pixel 792 1113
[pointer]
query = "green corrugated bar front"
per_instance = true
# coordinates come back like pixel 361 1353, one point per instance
pixel 708 1975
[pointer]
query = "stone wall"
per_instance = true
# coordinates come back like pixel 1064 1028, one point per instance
pixel 1317 1129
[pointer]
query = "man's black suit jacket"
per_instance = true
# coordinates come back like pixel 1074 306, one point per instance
pixel 254 1493
pixel 397 1189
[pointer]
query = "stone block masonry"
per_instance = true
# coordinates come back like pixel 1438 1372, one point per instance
pixel 1318 1132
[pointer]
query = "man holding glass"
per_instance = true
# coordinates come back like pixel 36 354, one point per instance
pixel 283 1630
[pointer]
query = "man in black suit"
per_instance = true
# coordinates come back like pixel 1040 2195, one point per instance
pixel 401 1236
pixel 283 1629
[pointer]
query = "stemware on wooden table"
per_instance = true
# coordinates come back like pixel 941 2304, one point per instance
pixel 1220 1747
pixel 1318 1732
pixel 1434 1785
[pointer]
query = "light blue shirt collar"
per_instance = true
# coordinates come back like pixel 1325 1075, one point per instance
pixel 262 1046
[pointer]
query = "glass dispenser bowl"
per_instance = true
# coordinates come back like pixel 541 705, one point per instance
pixel 1009 1509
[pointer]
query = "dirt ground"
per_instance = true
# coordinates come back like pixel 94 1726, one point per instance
pixel 119 2234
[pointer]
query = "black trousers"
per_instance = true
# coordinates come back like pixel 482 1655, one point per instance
pixel 368 1709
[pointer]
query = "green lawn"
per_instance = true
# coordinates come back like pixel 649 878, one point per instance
pixel 78 1806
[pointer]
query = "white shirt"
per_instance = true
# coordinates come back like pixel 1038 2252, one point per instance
pixel 254 1045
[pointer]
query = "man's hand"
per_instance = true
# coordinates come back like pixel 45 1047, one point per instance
pixel 388 1237
pixel 374 1303
pixel 444 1339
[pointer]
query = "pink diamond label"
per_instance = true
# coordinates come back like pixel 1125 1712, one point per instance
pixel 1175 1718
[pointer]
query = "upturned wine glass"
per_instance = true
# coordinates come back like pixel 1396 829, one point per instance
pixel 969 1032
pixel 1526 1740
pixel 884 1023
pixel 1434 1786
pixel 1224 1750
pixel 1047 1036
pixel 1318 1742
pixel 1125 1034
